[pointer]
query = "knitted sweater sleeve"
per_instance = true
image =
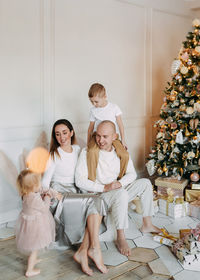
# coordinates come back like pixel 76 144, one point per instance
pixel 81 175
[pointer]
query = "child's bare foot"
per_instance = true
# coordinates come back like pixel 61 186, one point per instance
pixel 32 272
pixel 123 247
pixel 96 256
pixel 150 229
pixel 82 258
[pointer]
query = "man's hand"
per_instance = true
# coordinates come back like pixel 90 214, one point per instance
pixel 112 186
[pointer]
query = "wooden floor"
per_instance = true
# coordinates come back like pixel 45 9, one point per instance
pixel 60 265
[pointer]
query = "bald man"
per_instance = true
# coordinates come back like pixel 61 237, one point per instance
pixel 116 193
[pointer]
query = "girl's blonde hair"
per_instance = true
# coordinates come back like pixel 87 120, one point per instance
pixel 27 181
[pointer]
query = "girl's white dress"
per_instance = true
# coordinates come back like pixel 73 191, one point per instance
pixel 35 227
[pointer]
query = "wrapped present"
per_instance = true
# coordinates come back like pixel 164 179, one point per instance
pixel 176 209
pixel 164 238
pixel 183 232
pixel 192 240
pixel 163 183
pixel 195 186
pixel 194 211
pixel 191 244
pixel 191 195
pixel 188 261
pixel 155 205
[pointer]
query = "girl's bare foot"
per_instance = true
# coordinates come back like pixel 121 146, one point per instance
pixel 151 228
pixel 82 258
pixel 96 256
pixel 123 247
pixel 32 272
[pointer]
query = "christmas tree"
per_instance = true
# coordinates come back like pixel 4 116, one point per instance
pixel 176 150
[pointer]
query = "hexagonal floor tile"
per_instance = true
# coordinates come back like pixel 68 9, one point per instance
pixel 142 255
pixel 111 257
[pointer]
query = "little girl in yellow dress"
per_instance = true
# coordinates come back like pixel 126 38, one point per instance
pixel 35 227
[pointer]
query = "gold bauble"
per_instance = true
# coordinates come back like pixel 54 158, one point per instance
pixel 172 97
pixel 165 169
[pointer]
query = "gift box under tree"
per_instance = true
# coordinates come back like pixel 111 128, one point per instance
pixel 178 186
pixel 174 209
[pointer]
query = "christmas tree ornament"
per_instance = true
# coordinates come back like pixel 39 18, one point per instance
pixel 165 169
pixel 184 70
pixel 197 49
pixel 160 156
pixel 187 133
pixel 196 122
pixel 175 66
pixel 187 94
pixel 173 125
pixel 185 56
pixel 193 92
pixel 189 110
pixel 179 137
pixel 194 177
pixel 160 171
pixel 197 107
pixel 182 100
pixel 181 88
pixel 191 123
pixel 191 155
pixel 198 87
pixel 172 97
pixel 151 168
pixel 189 62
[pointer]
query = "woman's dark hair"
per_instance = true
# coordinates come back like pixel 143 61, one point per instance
pixel 54 143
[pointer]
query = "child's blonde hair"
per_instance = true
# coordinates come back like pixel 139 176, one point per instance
pixel 27 181
pixel 97 90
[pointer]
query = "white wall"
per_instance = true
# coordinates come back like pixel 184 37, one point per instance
pixel 51 51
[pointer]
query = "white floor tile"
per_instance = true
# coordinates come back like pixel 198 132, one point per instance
pixel 180 223
pixel 168 259
pixel 187 274
pixel 146 241
pixel 133 230
pixel 113 258
pixel 161 221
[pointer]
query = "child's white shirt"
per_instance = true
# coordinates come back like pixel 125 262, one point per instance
pixel 109 112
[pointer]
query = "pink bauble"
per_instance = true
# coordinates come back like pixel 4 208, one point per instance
pixel 194 177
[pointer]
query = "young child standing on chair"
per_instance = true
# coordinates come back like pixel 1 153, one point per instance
pixel 104 110
pixel 35 228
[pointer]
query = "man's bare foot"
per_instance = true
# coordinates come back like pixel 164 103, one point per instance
pixel 150 229
pixel 82 258
pixel 123 247
pixel 32 272
pixel 96 256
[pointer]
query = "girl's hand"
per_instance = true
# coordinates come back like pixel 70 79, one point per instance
pixel 59 196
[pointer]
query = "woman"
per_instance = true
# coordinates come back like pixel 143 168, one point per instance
pixel 78 215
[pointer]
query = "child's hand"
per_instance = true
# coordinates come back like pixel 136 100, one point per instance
pixel 59 196
pixel 124 145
